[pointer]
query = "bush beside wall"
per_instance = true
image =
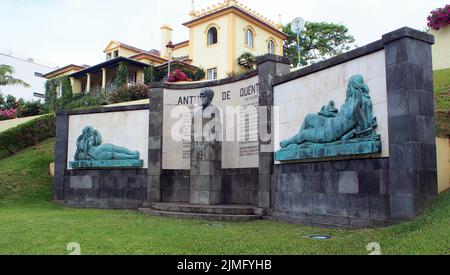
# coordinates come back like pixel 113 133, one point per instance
pixel 82 102
pixel 126 94
pixel 443 124
pixel 4 154
pixel 28 134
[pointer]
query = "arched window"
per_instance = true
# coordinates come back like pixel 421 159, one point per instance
pixel 271 47
pixel 212 36
pixel 249 38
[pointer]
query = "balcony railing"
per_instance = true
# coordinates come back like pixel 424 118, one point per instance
pixel 109 88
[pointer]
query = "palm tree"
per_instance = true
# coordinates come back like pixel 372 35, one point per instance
pixel 6 78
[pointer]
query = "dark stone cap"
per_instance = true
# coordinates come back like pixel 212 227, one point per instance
pixel 203 84
pixel 104 109
pixel 410 33
pixel 273 58
pixel 357 53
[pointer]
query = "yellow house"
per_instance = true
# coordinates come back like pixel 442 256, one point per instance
pixel 91 79
pixel 218 35
pixel 66 70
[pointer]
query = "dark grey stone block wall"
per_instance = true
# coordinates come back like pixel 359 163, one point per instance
pixel 413 162
pixel 269 66
pixel 175 186
pixel 62 136
pixel 240 186
pixel 108 189
pixel 344 193
pixel 155 142
pixel 372 192
pixel 113 189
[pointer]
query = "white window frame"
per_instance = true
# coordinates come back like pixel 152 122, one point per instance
pixel 271 47
pixel 212 73
pixel 132 78
pixel 59 91
pixel 249 38
pixel 210 40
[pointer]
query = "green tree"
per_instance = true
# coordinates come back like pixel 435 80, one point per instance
pixel 20 103
pixel 318 41
pixel 11 102
pixel 247 60
pixel 199 74
pixel 31 108
pixel 2 101
pixel 50 96
pixel 149 75
pixel 66 88
pixel 122 75
pixel 6 77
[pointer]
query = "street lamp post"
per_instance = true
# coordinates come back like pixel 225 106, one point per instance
pixel 298 49
pixel 169 47
pixel 297 27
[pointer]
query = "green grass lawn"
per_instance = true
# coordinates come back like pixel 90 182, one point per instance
pixel 442 89
pixel 31 224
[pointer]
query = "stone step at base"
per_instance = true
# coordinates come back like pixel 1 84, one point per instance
pixel 305 223
pixel 199 216
pixel 206 209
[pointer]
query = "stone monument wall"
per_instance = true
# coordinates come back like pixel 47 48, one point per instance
pixel 238 100
pixel 376 166
pixel 103 187
pixel 362 190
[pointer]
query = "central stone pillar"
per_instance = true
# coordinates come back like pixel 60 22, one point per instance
pixel 269 66
pixel 206 154
pixel 206 178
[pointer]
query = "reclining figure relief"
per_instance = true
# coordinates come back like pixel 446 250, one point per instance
pixel 90 148
pixel 354 121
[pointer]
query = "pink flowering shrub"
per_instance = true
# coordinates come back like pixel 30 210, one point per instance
pixel 8 114
pixel 439 18
pixel 178 75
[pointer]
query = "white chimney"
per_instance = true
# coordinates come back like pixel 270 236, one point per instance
pixel 166 37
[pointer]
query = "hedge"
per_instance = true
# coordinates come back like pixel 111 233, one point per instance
pixel 28 134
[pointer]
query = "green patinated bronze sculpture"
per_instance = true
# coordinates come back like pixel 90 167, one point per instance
pixel 91 153
pixel 333 133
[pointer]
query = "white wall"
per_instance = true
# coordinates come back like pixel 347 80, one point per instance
pixel 441 50
pixel 125 129
pixel 236 152
pixel 443 156
pixel 25 70
pixel 300 97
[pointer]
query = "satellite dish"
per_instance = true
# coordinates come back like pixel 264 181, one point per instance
pixel 298 25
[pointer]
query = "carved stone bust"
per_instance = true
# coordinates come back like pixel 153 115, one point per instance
pixel 206 121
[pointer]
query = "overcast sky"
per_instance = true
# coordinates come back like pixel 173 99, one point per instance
pixel 76 31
